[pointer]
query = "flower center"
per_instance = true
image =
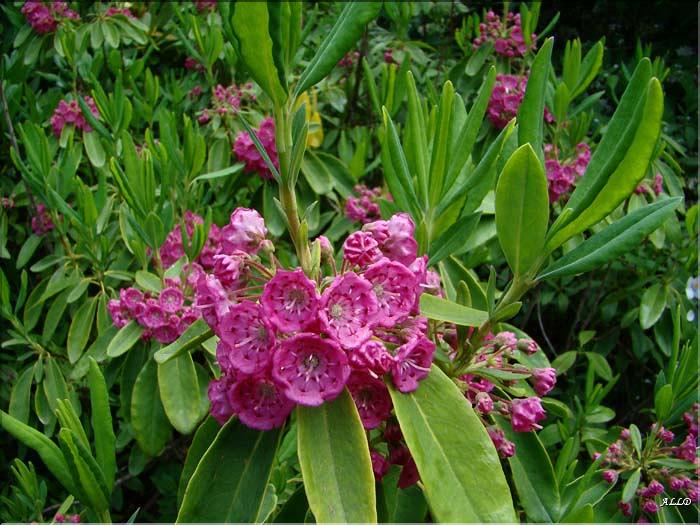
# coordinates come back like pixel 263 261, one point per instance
pixel 336 311
pixel 311 362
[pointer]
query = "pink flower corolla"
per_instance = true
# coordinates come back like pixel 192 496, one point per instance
pixel 260 402
pixel 543 380
pixel 371 398
pixel 610 476
pixel 625 507
pixel 658 184
pixel 115 11
pixel 506 97
pixel 409 474
pixel 245 149
pixel 506 36
pixel 290 301
pixel 483 403
pixel 70 112
pixel 360 248
pixel 171 299
pixel 229 269
pixel 44 17
pixel 348 310
pixel 504 447
pixel 395 238
pixel 249 339
pixel 217 391
pixel 412 363
pixel 525 413
pixel 650 507
pixel 562 174
pixel 310 369
pixel 373 357
pixel 245 232
pixel 364 207
pixel 528 346
pixel 41 221
pixel 688 449
pixel 211 300
pixel 691 420
pixel 380 465
pixel 395 288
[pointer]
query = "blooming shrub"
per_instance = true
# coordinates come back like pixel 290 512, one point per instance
pixel 506 36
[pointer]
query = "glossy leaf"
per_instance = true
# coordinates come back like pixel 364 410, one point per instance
pixel 454 240
pixel 522 209
pixel 105 441
pixel 342 36
pixel 179 392
pixel 201 441
pixel 86 472
pixel 148 420
pixel 457 462
pixel 80 328
pixel 191 338
pixel 335 462
pixel 531 111
pixel 126 337
pixel 613 241
pixel 21 395
pixel 228 485
pixel 652 306
pixel 434 307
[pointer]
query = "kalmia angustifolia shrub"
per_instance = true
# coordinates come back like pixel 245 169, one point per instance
pixel 44 17
pixel 507 37
pixel 286 339
pixel 506 97
pixel 660 475
pixel 70 113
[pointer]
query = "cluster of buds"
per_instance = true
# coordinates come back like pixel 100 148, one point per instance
pixel 656 186
pixel 193 64
pixel 562 174
pixel 116 11
pixel 389 56
pixel 502 354
pixel 660 473
pixel 69 112
pixel 364 205
pixel 44 17
pixel 228 101
pixel 349 59
pixel 172 248
pixel 506 97
pixel 287 339
pixel 205 5
pixel 41 222
pixel 507 38
pixel 63 518
pixel 245 149
pixel 391 438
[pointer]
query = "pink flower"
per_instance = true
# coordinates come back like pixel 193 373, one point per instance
pixel 364 208
pixel 217 392
pixel 395 288
pixel 167 333
pixel 348 310
pixel 395 238
pixel 120 317
pixel 41 222
pixel 153 315
pixel 409 474
pixel 543 380
pixel 625 507
pixel 625 434
pixel 528 346
pixel 371 356
pixel 361 248
pixel 525 413
pixel 505 448
pixel 114 11
pixel 610 476
pixel 260 402
pixel 484 403
pixel 412 363
pixel 290 300
pixel 371 397
pixel 380 465
pixel 245 149
pixel 71 113
pixel 171 299
pixel 312 370
pixel 228 268
pixel 658 184
pixel 248 336
pixel 44 17
pixel 666 435
pixel 211 300
pixel 650 507
pixel 506 35
pixel 687 449
pixel 245 231
pixel 655 488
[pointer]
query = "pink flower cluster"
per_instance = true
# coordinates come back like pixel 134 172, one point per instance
pixel 41 222
pixel 114 11
pixel 621 457
pixel 172 249
pixel 193 64
pixel 507 38
pixel 62 518
pixel 364 207
pixel 506 97
pixel 245 149
pixel 205 5
pixel 561 175
pixel 164 317
pixel 349 59
pixel 286 339
pixel 478 385
pixel 657 186
pixel 71 113
pixel 44 17
pixel 228 101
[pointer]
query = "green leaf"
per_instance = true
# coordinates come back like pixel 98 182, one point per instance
pixel 229 482
pixel 440 309
pixel 335 462
pixel 533 475
pixel 631 486
pixel 458 465
pixel 105 442
pixel 345 32
pixel 48 451
pixel 652 306
pixel 402 505
pixel 80 328
pixel 20 397
pixel 127 336
pixel 531 111
pixel 179 392
pixel 441 144
pixel 85 471
pixel 27 250
pixel 148 419
pixel 582 514
pixel 663 402
pixel 203 438
pixel 93 148
pixel 613 241
pixel 522 209
pixel 54 383
pixel 636 438
pixel 250 22
pixel 615 186
pixel 317 174
pixel 454 240
pixel 192 337
pixel 226 172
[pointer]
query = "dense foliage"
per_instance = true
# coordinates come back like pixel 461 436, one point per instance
pixel 345 262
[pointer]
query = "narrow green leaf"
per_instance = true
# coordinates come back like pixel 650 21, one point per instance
pixel 93 148
pixel 148 419
pixel 454 240
pixel 345 32
pixel 203 438
pixel 226 172
pixel 335 462
pixel 229 482
pixel 20 397
pixel 636 438
pixel 415 138
pixel 192 337
pixel 663 402
pixel 54 383
pixel 126 337
pixel 105 441
pixel 80 329
pixel 652 306
pixel 458 465
pixel 631 486
pixel 531 111
pixel 85 471
pixel 522 209
pixel 441 145
pixel 179 392
pixel 434 307
pixel 27 250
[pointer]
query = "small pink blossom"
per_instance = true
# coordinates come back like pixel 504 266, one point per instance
pixel 371 398
pixel 525 413
pixel 380 465
pixel 245 149
pixel 360 248
pixel 412 363
pixel 248 336
pixel 218 398
pixel 245 232
pixel 505 448
pixel 260 402
pixel 290 300
pixel 543 380
pixel 371 356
